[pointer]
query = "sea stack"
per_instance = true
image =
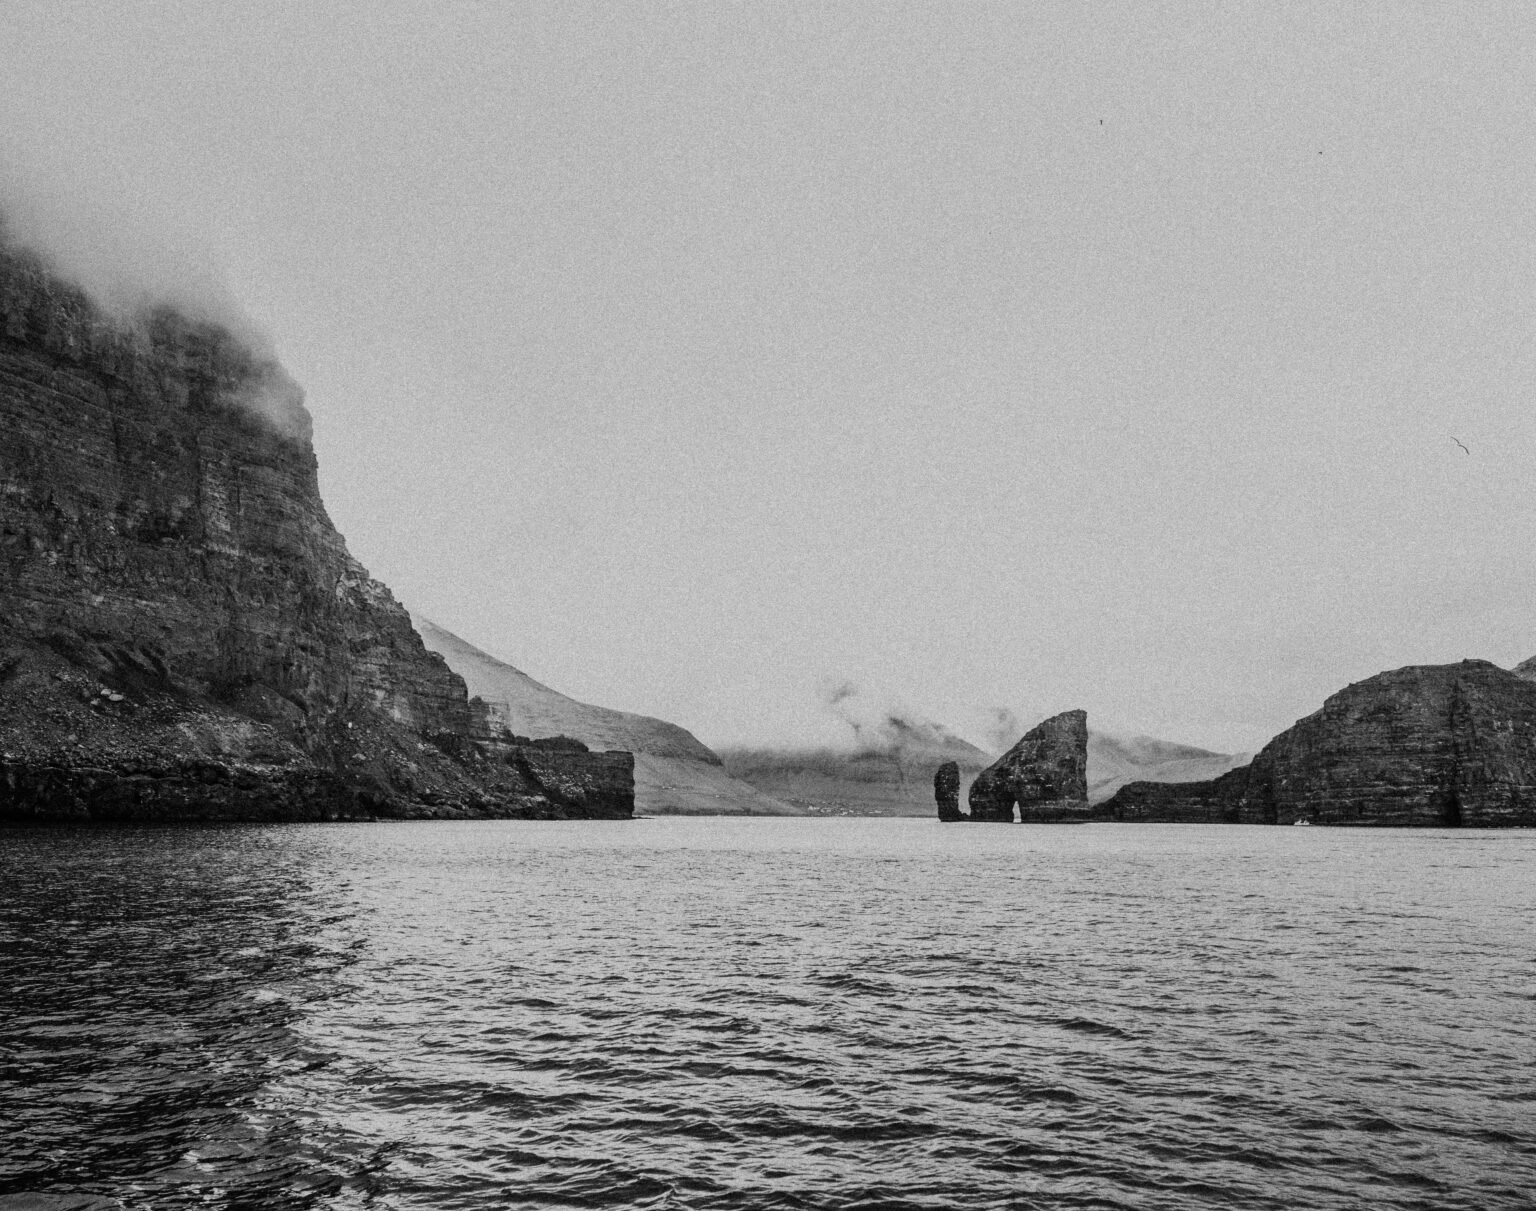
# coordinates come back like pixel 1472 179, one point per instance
pixel 946 791
pixel 183 633
pixel 1044 775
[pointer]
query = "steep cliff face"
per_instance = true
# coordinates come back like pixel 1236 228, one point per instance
pixel 1427 745
pixel 182 631
pixel 1045 774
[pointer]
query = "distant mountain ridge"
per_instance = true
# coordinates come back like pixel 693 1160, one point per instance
pixel 888 773
pixel 894 777
pixel 675 773
pixel 1113 761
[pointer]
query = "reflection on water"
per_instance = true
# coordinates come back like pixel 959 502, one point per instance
pixel 766 1013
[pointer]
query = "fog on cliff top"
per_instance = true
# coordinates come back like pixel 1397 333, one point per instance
pixel 122 258
pixel 694 357
pixel 131 265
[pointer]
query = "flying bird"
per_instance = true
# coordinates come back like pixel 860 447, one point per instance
pixel 1464 450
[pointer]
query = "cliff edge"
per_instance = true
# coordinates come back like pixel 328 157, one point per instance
pixel 183 634
pixel 1423 746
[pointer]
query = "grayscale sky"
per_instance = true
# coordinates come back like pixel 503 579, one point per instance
pixel 697 358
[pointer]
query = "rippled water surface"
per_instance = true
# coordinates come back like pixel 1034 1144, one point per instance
pixel 767 1013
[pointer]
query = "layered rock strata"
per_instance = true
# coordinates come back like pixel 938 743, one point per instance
pixel 1044 776
pixel 1427 745
pixel 183 634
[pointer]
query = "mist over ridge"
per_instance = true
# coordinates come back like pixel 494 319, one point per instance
pixel 108 248
pixel 143 286
pixel 884 759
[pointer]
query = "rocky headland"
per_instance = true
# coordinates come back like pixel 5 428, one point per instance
pixel 183 634
pixel 1428 745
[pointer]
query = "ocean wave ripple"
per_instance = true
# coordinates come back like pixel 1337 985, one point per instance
pixel 766 1014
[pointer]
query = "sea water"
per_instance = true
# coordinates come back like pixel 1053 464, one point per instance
pixel 767 1013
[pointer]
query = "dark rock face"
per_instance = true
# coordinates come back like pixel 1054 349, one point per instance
pixel 946 791
pixel 1045 774
pixel 1427 745
pixel 1214 801
pixel 183 634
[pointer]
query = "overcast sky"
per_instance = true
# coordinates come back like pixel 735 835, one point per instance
pixel 698 357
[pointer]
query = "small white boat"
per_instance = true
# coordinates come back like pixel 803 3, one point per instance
pixel 1299 823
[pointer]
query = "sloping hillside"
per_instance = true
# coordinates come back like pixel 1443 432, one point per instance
pixel 1112 762
pixel 674 772
pixel 894 777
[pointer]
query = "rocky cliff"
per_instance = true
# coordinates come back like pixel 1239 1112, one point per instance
pixel 1428 745
pixel 675 774
pixel 182 631
pixel 1045 775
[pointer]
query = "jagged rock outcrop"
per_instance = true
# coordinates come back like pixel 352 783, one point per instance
pixel 946 791
pixel 183 634
pixel 1427 745
pixel 675 773
pixel 1045 774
